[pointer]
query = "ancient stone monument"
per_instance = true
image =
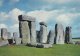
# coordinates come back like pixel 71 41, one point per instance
pixel 51 37
pixel 4 34
pixel 38 37
pixel 43 32
pixel 16 38
pixel 27 29
pixel 59 34
pixel 8 35
pixel 68 36
pixel 10 40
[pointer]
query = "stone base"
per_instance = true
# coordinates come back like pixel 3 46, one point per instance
pixel 31 45
pixel 4 42
pixel 44 45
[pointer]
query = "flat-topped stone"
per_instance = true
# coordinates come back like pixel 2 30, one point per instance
pixel 43 23
pixel 26 18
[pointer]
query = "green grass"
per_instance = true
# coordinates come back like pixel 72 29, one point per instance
pixel 57 50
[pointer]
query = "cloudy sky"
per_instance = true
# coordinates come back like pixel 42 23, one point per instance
pixel 66 12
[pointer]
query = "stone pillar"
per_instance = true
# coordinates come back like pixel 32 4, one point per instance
pixel 10 40
pixel 38 36
pixel 51 36
pixel 24 32
pixel 68 37
pixel 27 29
pixel 16 38
pixel 4 34
pixel 59 34
pixel 43 32
pixel 15 35
pixel 33 33
pixel 9 35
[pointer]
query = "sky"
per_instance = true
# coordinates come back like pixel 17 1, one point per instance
pixel 66 12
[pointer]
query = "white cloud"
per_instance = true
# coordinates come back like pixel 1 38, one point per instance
pixel 4 16
pixel 14 28
pixel 40 15
pixel 13 14
pixel 3 26
pixel 61 16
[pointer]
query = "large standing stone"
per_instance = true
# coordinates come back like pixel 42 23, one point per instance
pixel 9 35
pixel 51 36
pixel 43 32
pixel 10 40
pixel 68 36
pixel 59 34
pixel 24 32
pixel 27 29
pixel 4 33
pixel 33 33
pixel 16 38
pixel 38 36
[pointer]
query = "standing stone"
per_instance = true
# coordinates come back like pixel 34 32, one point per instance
pixel 38 37
pixel 68 37
pixel 9 35
pixel 59 34
pixel 27 29
pixel 33 33
pixel 51 36
pixel 24 32
pixel 16 38
pixel 10 40
pixel 43 32
pixel 4 33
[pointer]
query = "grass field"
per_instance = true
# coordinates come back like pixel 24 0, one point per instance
pixel 57 50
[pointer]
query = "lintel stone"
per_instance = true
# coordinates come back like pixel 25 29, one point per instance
pixel 26 18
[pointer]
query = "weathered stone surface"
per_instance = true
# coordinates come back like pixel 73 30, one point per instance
pixel 43 33
pixel 68 36
pixel 59 34
pixel 43 23
pixel 3 42
pixel 4 33
pixel 24 32
pixel 33 33
pixel 78 42
pixel 15 35
pixel 16 38
pixel 17 41
pixel 51 37
pixel 9 35
pixel 10 40
pixel 38 37
pixel 27 29
pixel 26 18
pixel 43 45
